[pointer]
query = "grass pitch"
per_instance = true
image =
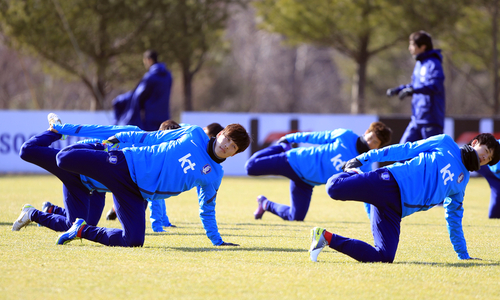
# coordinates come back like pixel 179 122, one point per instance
pixel 271 263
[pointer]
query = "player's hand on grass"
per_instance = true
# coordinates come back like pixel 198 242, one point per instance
pixel 228 244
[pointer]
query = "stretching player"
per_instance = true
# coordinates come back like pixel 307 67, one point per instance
pixel 181 159
pixel 82 196
pixel 492 175
pixel 436 169
pixel 307 167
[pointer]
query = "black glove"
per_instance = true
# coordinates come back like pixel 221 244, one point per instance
pixel 392 92
pixel 351 164
pixel 405 92
pixel 283 140
pixel 113 140
pixel 228 244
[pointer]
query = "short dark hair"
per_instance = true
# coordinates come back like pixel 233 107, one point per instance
pixel 151 54
pixel 238 135
pixel 213 129
pixel 489 141
pixel 382 131
pixel 422 38
pixel 169 125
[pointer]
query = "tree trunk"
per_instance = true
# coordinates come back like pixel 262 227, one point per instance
pixel 359 80
pixel 188 88
pixel 298 72
pixel 494 35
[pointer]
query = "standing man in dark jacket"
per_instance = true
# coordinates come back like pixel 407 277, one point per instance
pixel 148 105
pixel 427 88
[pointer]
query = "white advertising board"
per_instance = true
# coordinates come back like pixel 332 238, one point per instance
pixel 268 125
pixel 16 127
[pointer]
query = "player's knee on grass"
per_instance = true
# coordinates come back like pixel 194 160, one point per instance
pixel 136 240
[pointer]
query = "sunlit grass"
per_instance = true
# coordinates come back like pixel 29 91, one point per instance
pixel 271 263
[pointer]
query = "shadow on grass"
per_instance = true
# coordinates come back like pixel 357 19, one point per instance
pixel 464 264
pixel 229 248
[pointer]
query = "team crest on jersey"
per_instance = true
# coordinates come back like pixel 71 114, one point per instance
pixel 460 177
pixel 206 169
pixel 113 159
pixel 385 176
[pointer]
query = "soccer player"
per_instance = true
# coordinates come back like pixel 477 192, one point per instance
pixel 83 196
pixel 436 171
pixel 181 159
pixel 492 175
pixel 212 129
pixel 307 167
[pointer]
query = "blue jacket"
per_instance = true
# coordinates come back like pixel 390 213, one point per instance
pixel 152 96
pixel 315 165
pixel 432 173
pixel 427 81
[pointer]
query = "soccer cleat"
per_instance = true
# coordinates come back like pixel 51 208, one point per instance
pixel 54 119
pixel 318 242
pixel 47 207
pixel 260 207
pixel 24 218
pixel 111 215
pixel 72 233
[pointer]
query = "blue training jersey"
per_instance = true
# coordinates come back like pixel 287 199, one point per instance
pixel 433 173
pixel 178 163
pixel 315 165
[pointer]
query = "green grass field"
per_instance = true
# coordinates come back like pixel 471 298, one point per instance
pixel 271 263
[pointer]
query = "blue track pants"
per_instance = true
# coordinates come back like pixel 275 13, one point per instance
pixel 77 199
pixel 110 168
pixel 380 189
pixel 273 161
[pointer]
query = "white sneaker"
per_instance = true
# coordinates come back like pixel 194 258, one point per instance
pixel 318 242
pixel 54 119
pixel 23 218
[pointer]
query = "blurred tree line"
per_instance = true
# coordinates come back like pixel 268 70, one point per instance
pixel 314 56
